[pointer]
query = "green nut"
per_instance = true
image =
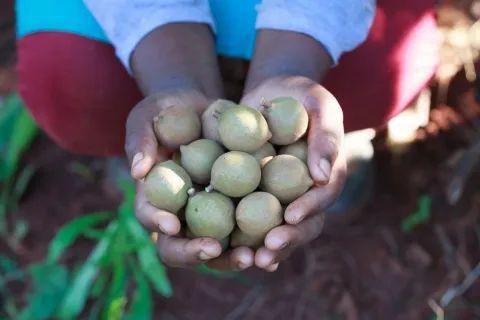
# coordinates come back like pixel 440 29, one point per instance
pixel 210 214
pixel 167 185
pixel 242 128
pixel 235 174
pixel 287 120
pixel 198 157
pixel 286 177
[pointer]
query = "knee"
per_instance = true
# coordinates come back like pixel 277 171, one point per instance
pixel 77 91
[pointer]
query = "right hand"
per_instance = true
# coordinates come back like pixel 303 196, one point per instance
pixel 143 151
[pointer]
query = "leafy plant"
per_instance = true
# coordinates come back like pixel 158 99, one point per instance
pixel 124 257
pixel 421 215
pixel 9 272
pixel 17 132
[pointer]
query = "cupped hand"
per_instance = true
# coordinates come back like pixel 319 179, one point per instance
pixel 143 151
pixel 326 162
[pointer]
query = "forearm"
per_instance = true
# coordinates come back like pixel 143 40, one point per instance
pixel 177 56
pixel 286 53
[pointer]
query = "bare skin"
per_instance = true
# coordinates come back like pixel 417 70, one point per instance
pixel 176 65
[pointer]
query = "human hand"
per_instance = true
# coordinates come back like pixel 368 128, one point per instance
pixel 143 151
pixel 326 163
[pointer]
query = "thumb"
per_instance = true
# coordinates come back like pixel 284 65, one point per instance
pixel 141 144
pixel 325 136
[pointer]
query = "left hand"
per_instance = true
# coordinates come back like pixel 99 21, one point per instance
pixel 326 163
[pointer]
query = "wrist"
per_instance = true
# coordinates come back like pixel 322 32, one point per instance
pixel 284 54
pixel 177 56
pixel 178 84
pixel 179 96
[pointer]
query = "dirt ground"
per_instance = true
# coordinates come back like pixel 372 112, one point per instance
pixel 369 269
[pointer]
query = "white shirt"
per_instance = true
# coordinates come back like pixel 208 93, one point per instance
pixel 339 25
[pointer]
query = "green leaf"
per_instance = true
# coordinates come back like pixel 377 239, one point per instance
pixel 418 217
pixel 67 234
pixel 4 203
pixel 77 292
pixel 9 271
pixel 95 310
pixel 118 284
pixel 99 284
pixel 154 270
pixel 7 265
pixel 23 132
pixel 141 306
pixel 49 285
pixel 116 308
pixel 22 182
pixel 9 110
pixel 119 246
pixel 148 259
pixel 11 308
pixel 19 232
pixel 93 234
pixel 128 188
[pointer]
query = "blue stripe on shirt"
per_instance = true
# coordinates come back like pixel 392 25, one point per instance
pixel 234 20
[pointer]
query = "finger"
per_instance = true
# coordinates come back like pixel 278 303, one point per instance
pixel 183 252
pixel 268 259
pixel 291 236
pixel 272 267
pixel 239 258
pixel 282 240
pixel 318 198
pixel 140 142
pixel 265 257
pixel 325 134
pixel 152 218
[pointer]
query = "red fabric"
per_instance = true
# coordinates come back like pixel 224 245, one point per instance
pixel 80 94
pixel 381 77
pixel 77 91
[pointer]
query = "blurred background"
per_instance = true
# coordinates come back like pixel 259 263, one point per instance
pixel 71 248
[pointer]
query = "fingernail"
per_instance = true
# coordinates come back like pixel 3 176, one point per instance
pixel 325 169
pixel 167 227
pixel 296 219
pixel 203 256
pixel 161 228
pixel 265 261
pixel 299 218
pixel 283 246
pixel 278 244
pixel 136 159
pixel 242 265
pixel 272 267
